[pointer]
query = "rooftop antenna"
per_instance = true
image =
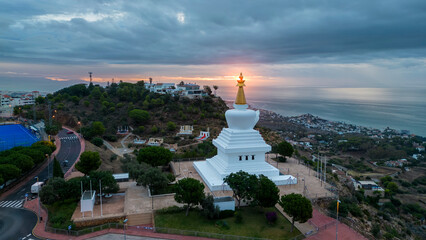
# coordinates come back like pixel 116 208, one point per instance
pixel 90 75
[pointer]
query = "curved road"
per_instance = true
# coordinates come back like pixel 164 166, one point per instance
pixel 16 223
pixel 10 207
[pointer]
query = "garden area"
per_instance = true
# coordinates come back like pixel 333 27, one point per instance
pixel 247 221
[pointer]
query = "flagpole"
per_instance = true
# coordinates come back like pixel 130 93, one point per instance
pixel 100 194
pixel 337 217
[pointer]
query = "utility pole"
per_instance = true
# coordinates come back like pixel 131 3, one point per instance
pixel 90 76
pixel 50 112
pixel 34 112
pixel 325 170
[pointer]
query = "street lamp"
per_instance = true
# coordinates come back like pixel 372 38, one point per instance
pixel 48 166
pixel 304 186
pixel 337 216
pixel 38 193
pixel 124 227
pixel 79 128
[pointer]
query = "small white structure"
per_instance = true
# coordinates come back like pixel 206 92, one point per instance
pixel 139 141
pixel 203 135
pixel 155 142
pixel 239 147
pixel 121 177
pixel 224 203
pixel 186 130
pixel 87 201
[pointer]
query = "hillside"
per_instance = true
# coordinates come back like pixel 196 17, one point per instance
pixel 161 114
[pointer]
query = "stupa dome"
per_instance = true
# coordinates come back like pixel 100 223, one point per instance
pixel 241 118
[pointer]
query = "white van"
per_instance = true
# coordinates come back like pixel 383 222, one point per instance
pixel 35 188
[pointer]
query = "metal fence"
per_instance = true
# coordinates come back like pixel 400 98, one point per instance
pixel 189 159
pixel 212 235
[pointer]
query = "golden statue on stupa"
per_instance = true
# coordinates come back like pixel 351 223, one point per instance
pixel 241 98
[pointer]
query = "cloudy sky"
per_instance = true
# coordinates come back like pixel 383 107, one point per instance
pixel 46 45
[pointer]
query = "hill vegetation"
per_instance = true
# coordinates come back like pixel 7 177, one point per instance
pixel 100 111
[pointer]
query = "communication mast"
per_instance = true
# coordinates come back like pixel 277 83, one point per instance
pixel 90 75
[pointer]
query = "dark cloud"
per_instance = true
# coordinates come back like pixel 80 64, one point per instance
pixel 210 32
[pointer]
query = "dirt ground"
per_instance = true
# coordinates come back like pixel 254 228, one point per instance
pixel 107 164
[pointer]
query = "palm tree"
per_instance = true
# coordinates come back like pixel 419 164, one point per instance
pixel 215 88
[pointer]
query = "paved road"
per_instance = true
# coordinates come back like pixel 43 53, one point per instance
pixel 16 223
pixel 70 149
pixel 11 205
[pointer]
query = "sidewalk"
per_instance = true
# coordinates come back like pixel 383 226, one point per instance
pixel 35 173
pixel 39 231
pixel 328 229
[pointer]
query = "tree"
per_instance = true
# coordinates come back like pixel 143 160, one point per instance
pixel 97 128
pixel 171 126
pixel 267 193
pixel 285 149
pixel 47 195
pixel 154 179
pixel 57 170
pixel 108 182
pixel 189 191
pixel 209 210
pixel 392 187
pixel 242 184
pixel 36 154
pixel 296 206
pixel 139 116
pixel 208 90
pixel 49 144
pixel 89 161
pixel 215 87
pixel 21 161
pixel 9 172
pixel 155 156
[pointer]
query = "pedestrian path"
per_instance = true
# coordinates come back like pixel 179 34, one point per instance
pixel 11 204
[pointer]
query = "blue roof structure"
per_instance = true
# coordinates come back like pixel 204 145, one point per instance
pixel 16 135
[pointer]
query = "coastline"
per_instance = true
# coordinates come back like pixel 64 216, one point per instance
pixel 322 124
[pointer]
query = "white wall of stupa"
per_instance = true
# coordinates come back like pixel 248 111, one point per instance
pixel 239 147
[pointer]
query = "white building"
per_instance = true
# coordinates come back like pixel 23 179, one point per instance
pixel 239 147
pixel 162 88
pixel 189 90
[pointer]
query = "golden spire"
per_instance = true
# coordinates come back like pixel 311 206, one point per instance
pixel 241 98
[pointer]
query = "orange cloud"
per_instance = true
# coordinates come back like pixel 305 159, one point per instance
pixel 58 79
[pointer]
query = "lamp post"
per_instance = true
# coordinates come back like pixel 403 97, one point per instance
pixel 304 187
pixel 337 216
pixel 38 193
pixel 124 227
pixel 79 128
pixel 48 166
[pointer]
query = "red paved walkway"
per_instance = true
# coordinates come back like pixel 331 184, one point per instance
pixel 327 230
pixel 39 232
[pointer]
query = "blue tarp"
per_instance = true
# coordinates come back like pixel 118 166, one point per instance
pixel 15 135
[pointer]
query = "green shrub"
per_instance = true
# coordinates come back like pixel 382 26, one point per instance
pixel 111 138
pixel 97 141
pixel 238 217
pixel 226 214
pixel 172 209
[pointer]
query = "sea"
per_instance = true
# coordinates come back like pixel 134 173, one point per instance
pixel 397 108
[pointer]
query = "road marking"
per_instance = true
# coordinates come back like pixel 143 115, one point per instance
pixel 3 203
pixel 11 204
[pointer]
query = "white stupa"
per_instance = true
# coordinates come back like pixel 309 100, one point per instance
pixel 239 147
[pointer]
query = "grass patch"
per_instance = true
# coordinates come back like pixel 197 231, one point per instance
pixel 60 213
pixel 254 223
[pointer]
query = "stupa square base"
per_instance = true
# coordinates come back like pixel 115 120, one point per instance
pixel 214 180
